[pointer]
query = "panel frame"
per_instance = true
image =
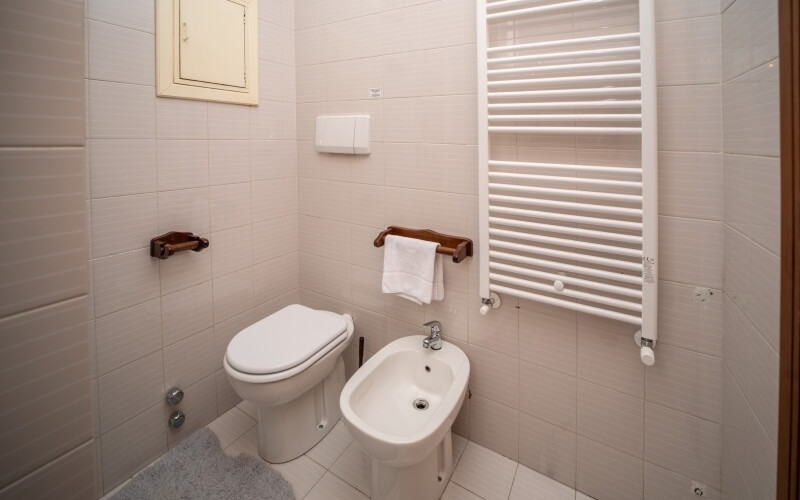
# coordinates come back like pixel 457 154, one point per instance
pixel 168 80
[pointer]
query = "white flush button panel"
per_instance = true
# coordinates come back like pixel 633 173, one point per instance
pixel 343 134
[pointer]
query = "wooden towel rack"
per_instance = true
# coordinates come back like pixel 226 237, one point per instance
pixel 168 244
pixel 460 248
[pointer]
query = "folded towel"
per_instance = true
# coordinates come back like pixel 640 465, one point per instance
pixel 412 269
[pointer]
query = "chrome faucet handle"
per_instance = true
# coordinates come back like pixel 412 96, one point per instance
pixel 436 326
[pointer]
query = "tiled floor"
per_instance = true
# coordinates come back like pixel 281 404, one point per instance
pixel 336 469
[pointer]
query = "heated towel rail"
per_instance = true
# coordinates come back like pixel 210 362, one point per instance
pixel 557 224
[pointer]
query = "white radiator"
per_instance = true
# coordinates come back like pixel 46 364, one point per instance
pixel 580 234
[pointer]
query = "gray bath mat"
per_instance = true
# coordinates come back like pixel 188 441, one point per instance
pixel 198 469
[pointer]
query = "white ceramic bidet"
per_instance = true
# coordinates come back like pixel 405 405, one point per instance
pixel 399 408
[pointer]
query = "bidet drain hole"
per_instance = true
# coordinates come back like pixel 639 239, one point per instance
pixel 427 368
pixel 420 404
pixel 320 426
pixel 439 478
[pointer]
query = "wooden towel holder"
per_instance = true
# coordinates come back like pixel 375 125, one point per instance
pixel 167 244
pixel 460 248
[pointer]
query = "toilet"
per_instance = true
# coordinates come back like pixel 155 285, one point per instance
pixel 289 365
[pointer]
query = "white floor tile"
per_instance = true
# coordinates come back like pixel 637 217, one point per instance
pixel 249 408
pixel 303 473
pixel 331 487
pixel 355 467
pixel 231 426
pixel 485 473
pixel 531 485
pixel 456 492
pixel 247 444
pixel 581 496
pixel 331 447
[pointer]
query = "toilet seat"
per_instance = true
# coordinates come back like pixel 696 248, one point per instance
pixel 285 342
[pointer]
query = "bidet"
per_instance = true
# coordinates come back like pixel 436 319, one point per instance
pixel 399 407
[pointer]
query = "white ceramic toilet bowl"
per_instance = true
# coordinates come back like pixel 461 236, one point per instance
pixel 289 365
pixel 399 407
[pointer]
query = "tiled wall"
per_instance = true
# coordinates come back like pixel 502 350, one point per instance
pixel 225 172
pixel 46 419
pixel 752 247
pixel 563 393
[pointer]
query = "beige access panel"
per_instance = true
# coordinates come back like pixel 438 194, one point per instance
pixel 207 50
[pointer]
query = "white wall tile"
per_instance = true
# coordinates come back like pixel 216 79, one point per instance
pixel 118 54
pixel 494 376
pixel 121 111
pixel 189 360
pixel 233 250
pixel 538 385
pixel 688 51
pixel 73 472
pixel 663 484
pixel 682 443
pixel 498 332
pixel 200 406
pixel 750 111
pixel 123 223
pixel 493 424
pixel 130 390
pixel 43 209
pixel 133 445
pixel 612 418
pixel 135 14
pixel 122 166
pixel 182 164
pixel 228 161
pixel 604 472
pixel 752 198
pixel 686 381
pixel 690 118
pixel 687 322
pixel 45 359
pixel 548 449
pixel 275 277
pixel 124 280
pixel 191 268
pixel 230 206
pixel 181 119
pixel 690 185
pixel 127 335
pixel 605 357
pixel 746 443
pixel 42 91
pixel 233 294
pixel 548 337
pixel 682 9
pixel 754 366
pixel 266 121
pixel 186 312
pixel 184 210
pixel 690 251
pixel 228 121
pixel 749 35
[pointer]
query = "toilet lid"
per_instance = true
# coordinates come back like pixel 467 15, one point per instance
pixel 284 340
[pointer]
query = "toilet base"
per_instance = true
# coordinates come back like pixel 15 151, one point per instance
pixel 288 430
pixel 425 480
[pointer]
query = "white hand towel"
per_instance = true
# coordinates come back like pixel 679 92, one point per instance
pixel 412 269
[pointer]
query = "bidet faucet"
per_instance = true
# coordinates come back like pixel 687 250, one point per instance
pixel 434 340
